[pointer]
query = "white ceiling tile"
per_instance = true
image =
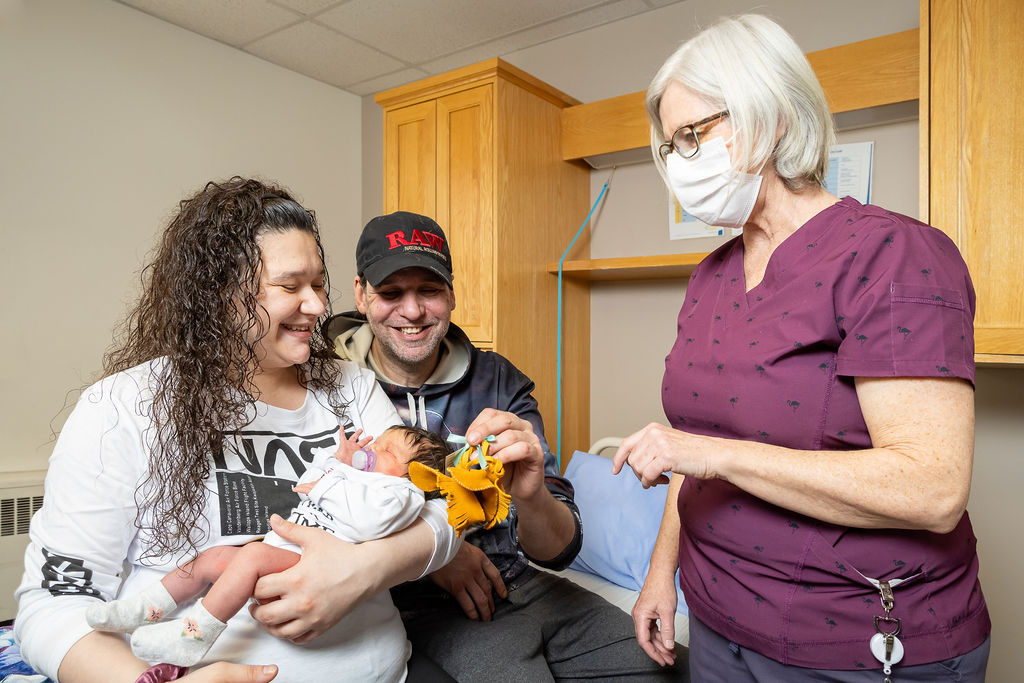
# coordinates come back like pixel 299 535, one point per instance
pixel 538 34
pixel 420 30
pixel 323 54
pixel 234 22
pixel 308 7
pixel 391 80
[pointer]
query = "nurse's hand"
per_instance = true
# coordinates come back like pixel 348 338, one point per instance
pixel 656 605
pixel 657 449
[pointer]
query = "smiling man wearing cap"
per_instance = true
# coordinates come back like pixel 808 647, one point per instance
pixel 508 619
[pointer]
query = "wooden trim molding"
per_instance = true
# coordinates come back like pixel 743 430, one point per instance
pixel 868 73
pixel 459 79
pixel 630 267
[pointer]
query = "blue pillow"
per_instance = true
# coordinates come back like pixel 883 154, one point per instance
pixel 620 521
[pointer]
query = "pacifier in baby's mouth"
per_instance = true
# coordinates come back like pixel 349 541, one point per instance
pixel 364 459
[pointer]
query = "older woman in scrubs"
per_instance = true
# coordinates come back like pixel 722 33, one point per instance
pixel 820 397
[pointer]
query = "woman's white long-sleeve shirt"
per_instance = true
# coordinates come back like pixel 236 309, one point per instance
pixel 85 545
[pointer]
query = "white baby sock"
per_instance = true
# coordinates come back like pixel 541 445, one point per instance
pixel 182 642
pixel 125 615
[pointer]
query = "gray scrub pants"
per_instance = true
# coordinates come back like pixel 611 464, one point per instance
pixel 549 629
pixel 714 659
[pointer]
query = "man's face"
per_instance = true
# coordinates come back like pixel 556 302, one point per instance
pixel 409 313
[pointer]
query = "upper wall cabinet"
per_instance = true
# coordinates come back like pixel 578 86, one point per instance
pixel 439 161
pixel 972 149
pixel 479 150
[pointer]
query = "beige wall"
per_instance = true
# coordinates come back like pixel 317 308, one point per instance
pixel 109 117
pixel 633 324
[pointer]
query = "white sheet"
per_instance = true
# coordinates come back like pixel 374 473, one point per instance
pixel 623 598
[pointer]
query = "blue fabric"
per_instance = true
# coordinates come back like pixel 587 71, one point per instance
pixel 620 521
pixel 11 666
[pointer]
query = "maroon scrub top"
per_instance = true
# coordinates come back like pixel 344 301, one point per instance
pixel 855 292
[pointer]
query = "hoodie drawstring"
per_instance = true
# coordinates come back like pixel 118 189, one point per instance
pixel 422 415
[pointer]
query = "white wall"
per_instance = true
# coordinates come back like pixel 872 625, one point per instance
pixel 633 323
pixel 109 118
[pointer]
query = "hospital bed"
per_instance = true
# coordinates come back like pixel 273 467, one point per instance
pixel 620 524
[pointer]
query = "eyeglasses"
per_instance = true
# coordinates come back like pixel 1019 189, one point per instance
pixel 685 141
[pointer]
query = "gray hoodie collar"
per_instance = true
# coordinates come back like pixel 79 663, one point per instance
pixel 352 339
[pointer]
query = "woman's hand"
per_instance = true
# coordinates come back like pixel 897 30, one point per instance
pixel 656 605
pixel 657 449
pixel 224 672
pixel 516 446
pixel 329 580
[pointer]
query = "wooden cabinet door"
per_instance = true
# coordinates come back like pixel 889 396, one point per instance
pixel 465 204
pixel 976 149
pixel 410 137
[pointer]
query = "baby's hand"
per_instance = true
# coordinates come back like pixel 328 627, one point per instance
pixel 347 447
pixel 304 488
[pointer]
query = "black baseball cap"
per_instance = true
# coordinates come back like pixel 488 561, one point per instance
pixel 402 240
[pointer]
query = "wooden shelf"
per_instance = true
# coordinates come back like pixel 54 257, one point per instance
pixel 868 73
pixel 995 360
pixel 630 267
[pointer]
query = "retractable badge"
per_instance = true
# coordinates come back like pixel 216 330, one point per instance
pixel 885 646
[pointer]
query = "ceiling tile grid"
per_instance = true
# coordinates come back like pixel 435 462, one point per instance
pixel 364 46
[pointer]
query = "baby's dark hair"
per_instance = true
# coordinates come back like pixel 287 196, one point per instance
pixel 427 447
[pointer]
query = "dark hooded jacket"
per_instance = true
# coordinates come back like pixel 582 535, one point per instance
pixel 466 381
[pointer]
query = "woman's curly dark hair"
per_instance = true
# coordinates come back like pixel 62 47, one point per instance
pixel 199 313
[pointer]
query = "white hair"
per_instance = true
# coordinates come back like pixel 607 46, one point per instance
pixel 750 66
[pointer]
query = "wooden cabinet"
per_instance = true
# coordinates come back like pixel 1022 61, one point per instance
pixel 478 149
pixel 972 152
pixel 439 161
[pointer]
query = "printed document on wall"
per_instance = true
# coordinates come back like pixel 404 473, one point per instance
pixel 849 171
pixel 682 225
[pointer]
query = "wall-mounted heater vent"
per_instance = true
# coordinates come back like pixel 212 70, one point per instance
pixel 21 496
pixel 15 514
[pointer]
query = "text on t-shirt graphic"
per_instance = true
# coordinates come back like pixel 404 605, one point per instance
pixel 63 575
pixel 255 474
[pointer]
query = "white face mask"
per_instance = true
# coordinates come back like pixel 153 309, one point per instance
pixel 709 189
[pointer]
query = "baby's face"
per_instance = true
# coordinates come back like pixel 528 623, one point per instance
pixel 393 454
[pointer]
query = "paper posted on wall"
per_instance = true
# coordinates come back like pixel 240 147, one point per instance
pixel 682 225
pixel 849 173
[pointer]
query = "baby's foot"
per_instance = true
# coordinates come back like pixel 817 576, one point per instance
pixel 127 614
pixel 183 642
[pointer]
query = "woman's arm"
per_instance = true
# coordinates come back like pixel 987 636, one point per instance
pixel 334 576
pixel 657 601
pixel 106 658
pixel 917 475
pixel 79 539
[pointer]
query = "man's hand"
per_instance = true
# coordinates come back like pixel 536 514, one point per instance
pixel 517 447
pixel 470 578
pixel 545 526
pixel 329 580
